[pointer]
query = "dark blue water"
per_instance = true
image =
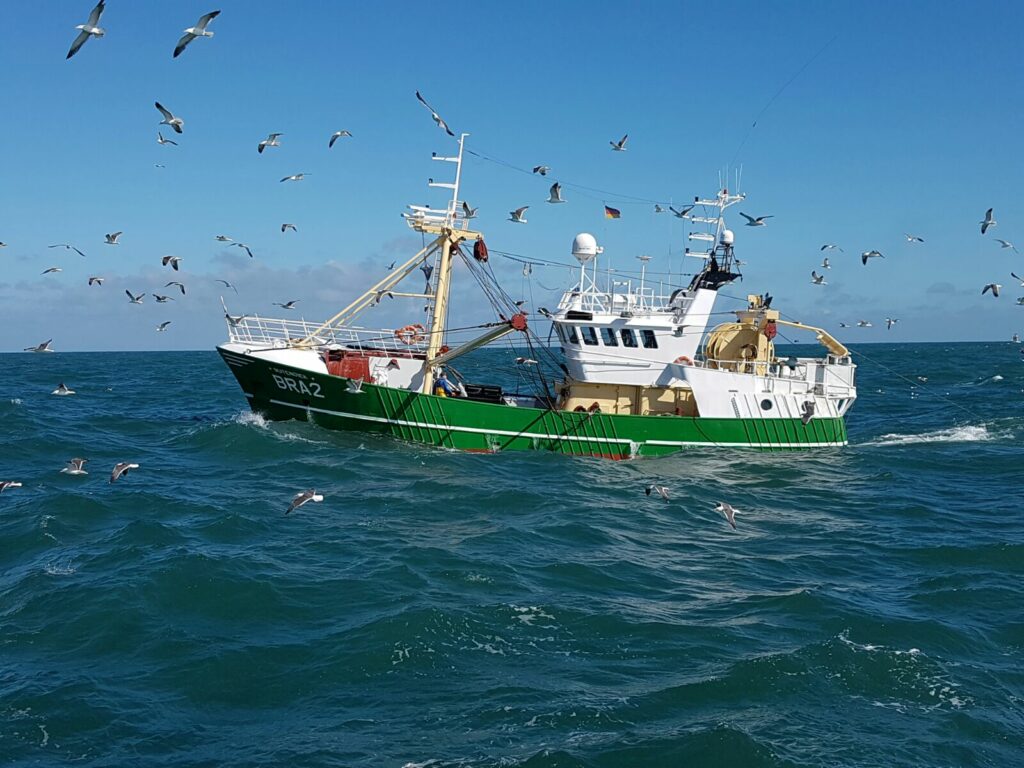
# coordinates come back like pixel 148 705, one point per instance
pixel 447 609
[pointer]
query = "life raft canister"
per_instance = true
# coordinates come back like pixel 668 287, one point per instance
pixel 480 251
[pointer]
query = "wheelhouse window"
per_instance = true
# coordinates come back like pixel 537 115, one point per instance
pixel 608 334
pixel 647 336
pixel 570 334
pixel 628 337
pixel 589 335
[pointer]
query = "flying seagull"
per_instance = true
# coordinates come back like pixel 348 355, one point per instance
pixel 1007 244
pixel 162 299
pixel 163 325
pixel 354 386
pixel 121 468
pixel 817 279
pixel 52 269
pixel 75 467
pixel 1020 301
pixel 175 122
pixel 42 347
pixel 199 30
pixel 870 255
pixel 172 260
pixel 913 238
pixel 161 140
pixel 287 305
pixel 728 512
pixel 825 264
pixel 467 212
pixel 517 215
pixel 270 141
pixel 96 280
pixel 556 193
pixel 808 412
pixel 295 177
pixel 111 239
pixel 302 498
pixel 67 246
pixel 994 287
pixel 63 390
pixel 541 169
pixel 227 284
pixel 180 286
pixel 5 484
pixel 246 247
pixel 987 222
pixel 661 490
pixel 234 321
pixel 864 324
pixel 89 29
pixel 620 145
pixel 681 214
pixel 337 135
pixel 433 113
pixel 134 299
pixel 755 221
pixel 1015 276
pixel 286 227
pixel 658 208
pixel 224 239
pixel 525 361
pixel 831 246
pixel 890 322
pixel 844 325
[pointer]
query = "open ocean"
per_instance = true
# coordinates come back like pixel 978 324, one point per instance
pixel 445 609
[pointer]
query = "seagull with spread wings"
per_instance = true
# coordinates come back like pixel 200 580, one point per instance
pixel 337 135
pixel 174 122
pixel 433 113
pixel 89 29
pixel 199 30
pixel 620 145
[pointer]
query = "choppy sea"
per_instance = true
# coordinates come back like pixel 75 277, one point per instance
pixel 445 609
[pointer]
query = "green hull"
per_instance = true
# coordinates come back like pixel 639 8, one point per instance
pixel 281 392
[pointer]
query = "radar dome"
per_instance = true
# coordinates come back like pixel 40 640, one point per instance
pixel 584 247
pixel 727 237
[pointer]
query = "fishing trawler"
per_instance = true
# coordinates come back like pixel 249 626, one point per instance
pixel 639 372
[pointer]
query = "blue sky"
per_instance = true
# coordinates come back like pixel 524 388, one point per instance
pixel 910 120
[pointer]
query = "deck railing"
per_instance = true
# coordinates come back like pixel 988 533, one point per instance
pixel 273 332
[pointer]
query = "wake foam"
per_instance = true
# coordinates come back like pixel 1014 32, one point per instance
pixel 250 418
pixel 966 434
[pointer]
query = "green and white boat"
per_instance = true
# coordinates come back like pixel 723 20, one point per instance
pixel 640 372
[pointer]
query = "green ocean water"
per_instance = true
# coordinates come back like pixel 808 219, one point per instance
pixel 446 609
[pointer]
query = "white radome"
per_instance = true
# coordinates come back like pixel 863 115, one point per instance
pixel 728 238
pixel 585 247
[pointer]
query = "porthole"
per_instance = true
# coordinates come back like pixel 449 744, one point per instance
pixel 766 405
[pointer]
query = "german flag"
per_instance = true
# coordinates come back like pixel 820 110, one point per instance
pixel 612 213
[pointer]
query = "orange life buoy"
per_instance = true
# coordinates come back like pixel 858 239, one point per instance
pixel 683 360
pixel 410 334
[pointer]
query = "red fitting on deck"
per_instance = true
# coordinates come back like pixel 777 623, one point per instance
pixel 518 321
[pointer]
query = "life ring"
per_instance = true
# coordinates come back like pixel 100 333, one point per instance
pixel 683 360
pixel 410 334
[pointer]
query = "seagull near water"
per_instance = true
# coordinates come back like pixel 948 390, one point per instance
pixel 354 386
pixel 987 222
pixel 89 29
pixel 41 347
pixel 121 468
pixel 436 117
pixel 303 498
pixel 111 239
pixel 864 324
pixel 890 322
pixel 517 215
pixel 75 467
pixel 994 287
pixel 870 255
pixel 174 122
pixel 5 484
pixel 728 511
pixel 199 30
pixel 661 490
pixel 556 193
pixel 270 141
pixel 620 145
pixel 817 279
pixel 63 390
pixel 756 221
pixel 337 135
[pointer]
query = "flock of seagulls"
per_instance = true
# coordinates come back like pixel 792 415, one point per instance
pixel 722 507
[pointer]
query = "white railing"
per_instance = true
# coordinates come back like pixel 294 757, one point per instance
pixel 279 333
pixel 805 372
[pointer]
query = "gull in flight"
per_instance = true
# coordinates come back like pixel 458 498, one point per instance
pixel 467 212
pixel 75 467
pixel 817 279
pixel 52 269
pixel 162 299
pixel 808 412
pixel 180 286
pixel 246 247
pixel 89 29
pixel 134 299
pixel 121 468
pixel 728 511
pixel 175 122
pixel 1015 276
pixel 286 227
pixel 354 386
pixel 831 246
pixel 270 141
pixel 556 193
pixel 433 113
pixel 870 255
pixel 287 305
pixel 163 325
pixel 620 145
pixel 913 238
pixel 337 135
pixel 1007 244
pixel 161 140
pixel 227 284
pixel 844 325
pixel 658 208
pixel 987 222
pixel 825 264
pixel 172 260
pixel 863 324
pixel 234 321
pixel 42 347
pixel 5 484
pixel 542 169
pixel 224 239
pixel 63 390
pixel 67 246
pixel 96 280
pixel 994 287
pixel 199 30
pixel 890 322
pixel 681 214
pixel 302 498
pixel 295 177
pixel 661 490
pixel 755 221
pixel 525 361
pixel 517 215
pixel 1020 301
pixel 112 238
